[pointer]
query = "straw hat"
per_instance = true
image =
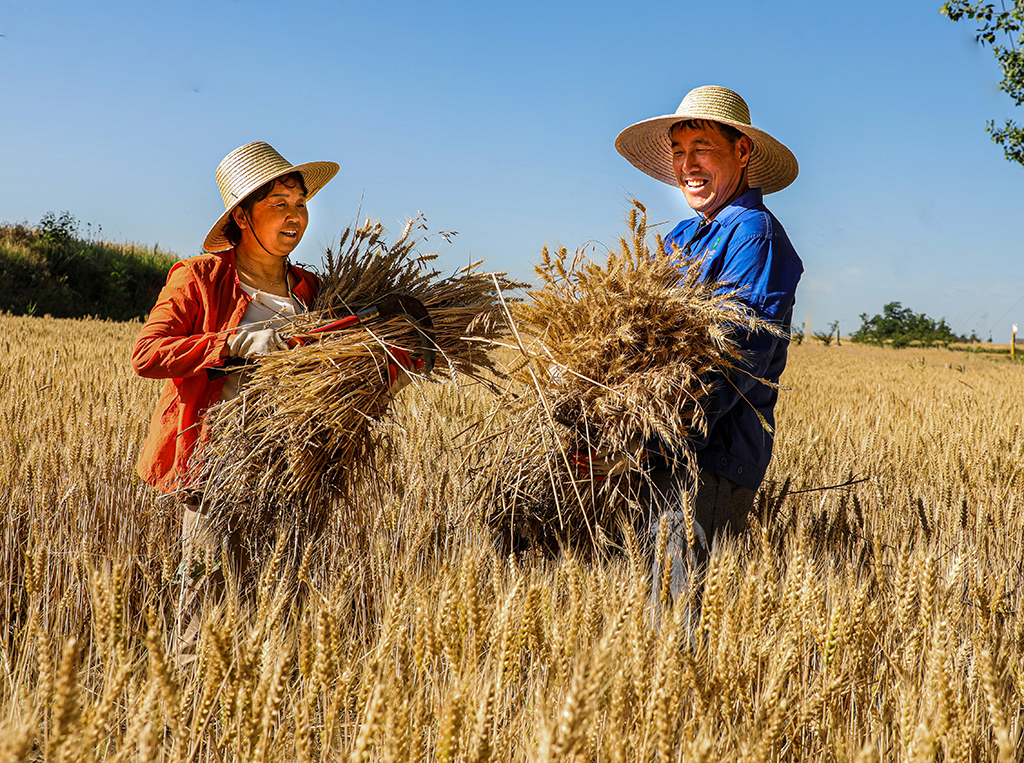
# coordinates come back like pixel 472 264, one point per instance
pixel 648 146
pixel 247 168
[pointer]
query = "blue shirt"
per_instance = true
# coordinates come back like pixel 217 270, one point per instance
pixel 745 247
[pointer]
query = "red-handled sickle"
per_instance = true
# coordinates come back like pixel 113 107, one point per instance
pixel 345 323
pixel 400 304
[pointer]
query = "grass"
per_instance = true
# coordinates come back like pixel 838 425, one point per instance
pixel 876 621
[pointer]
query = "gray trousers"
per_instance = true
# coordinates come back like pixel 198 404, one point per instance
pixel 720 508
pixel 203 582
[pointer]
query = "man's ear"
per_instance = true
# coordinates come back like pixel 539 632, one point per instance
pixel 746 146
pixel 238 215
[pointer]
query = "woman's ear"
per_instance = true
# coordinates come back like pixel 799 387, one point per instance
pixel 239 216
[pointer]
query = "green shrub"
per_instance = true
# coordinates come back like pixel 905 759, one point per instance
pixel 826 337
pixel 51 268
pixel 902 327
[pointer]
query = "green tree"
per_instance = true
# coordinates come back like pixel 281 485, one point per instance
pixel 902 327
pixel 992 25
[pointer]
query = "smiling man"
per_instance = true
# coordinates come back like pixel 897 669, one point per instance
pixel 724 166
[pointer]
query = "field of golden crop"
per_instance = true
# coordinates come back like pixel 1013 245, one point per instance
pixel 871 612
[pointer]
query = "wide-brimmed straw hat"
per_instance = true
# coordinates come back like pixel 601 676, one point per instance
pixel 648 146
pixel 247 168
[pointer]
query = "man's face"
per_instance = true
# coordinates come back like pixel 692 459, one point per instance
pixel 708 167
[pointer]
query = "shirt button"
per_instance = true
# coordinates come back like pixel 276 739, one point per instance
pixel 723 461
pixel 739 470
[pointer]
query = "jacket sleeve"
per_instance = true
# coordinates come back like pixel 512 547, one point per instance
pixel 767 280
pixel 171 344
pixel 731 388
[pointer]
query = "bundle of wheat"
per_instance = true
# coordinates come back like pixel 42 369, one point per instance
pixel 463 307
pixel 614 359
pixel 279 455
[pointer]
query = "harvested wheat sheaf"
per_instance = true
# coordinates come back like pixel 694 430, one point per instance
pixel 282 452
pixel 615 359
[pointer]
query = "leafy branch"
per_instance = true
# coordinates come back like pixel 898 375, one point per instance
pixel 992 25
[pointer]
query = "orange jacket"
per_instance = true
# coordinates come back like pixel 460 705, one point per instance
pixel 183 336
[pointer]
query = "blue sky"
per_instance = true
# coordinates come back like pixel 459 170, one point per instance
pixel 498 121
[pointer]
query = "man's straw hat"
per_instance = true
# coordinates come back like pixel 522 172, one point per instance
pixel 247 168
pixel 648 147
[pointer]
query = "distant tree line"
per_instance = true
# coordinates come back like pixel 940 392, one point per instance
pixel 52 268
pixel 900 326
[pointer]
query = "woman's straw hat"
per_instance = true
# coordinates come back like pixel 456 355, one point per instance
pixel 648 146
pixel 247 168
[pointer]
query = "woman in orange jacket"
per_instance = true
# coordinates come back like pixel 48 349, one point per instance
pixel 227 302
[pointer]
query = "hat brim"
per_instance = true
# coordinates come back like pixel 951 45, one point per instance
pixel 314 174
pixel 648 147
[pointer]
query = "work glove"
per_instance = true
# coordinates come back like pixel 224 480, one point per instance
pixel 601 463
pixel 253 342
pixel 399 363
pixel 598 465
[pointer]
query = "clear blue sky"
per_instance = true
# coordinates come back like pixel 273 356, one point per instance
pixel 498 121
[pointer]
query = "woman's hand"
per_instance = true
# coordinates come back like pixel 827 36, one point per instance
pixel 399 363
pixel 251 342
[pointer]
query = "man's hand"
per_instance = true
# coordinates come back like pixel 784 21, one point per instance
pixel 600 464
pixel 251 342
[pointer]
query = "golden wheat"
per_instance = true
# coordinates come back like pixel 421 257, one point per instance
pixel 879 620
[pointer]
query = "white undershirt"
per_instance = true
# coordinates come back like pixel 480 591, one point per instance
pixel 268 309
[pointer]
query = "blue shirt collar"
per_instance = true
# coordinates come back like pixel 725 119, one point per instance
pixel 750 200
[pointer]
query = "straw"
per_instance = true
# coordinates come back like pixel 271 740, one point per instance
pixel 622 360
pixel 283 455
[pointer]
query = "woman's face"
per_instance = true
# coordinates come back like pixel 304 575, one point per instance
pixel 275 223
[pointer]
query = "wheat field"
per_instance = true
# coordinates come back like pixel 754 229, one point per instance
pixel 871 612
